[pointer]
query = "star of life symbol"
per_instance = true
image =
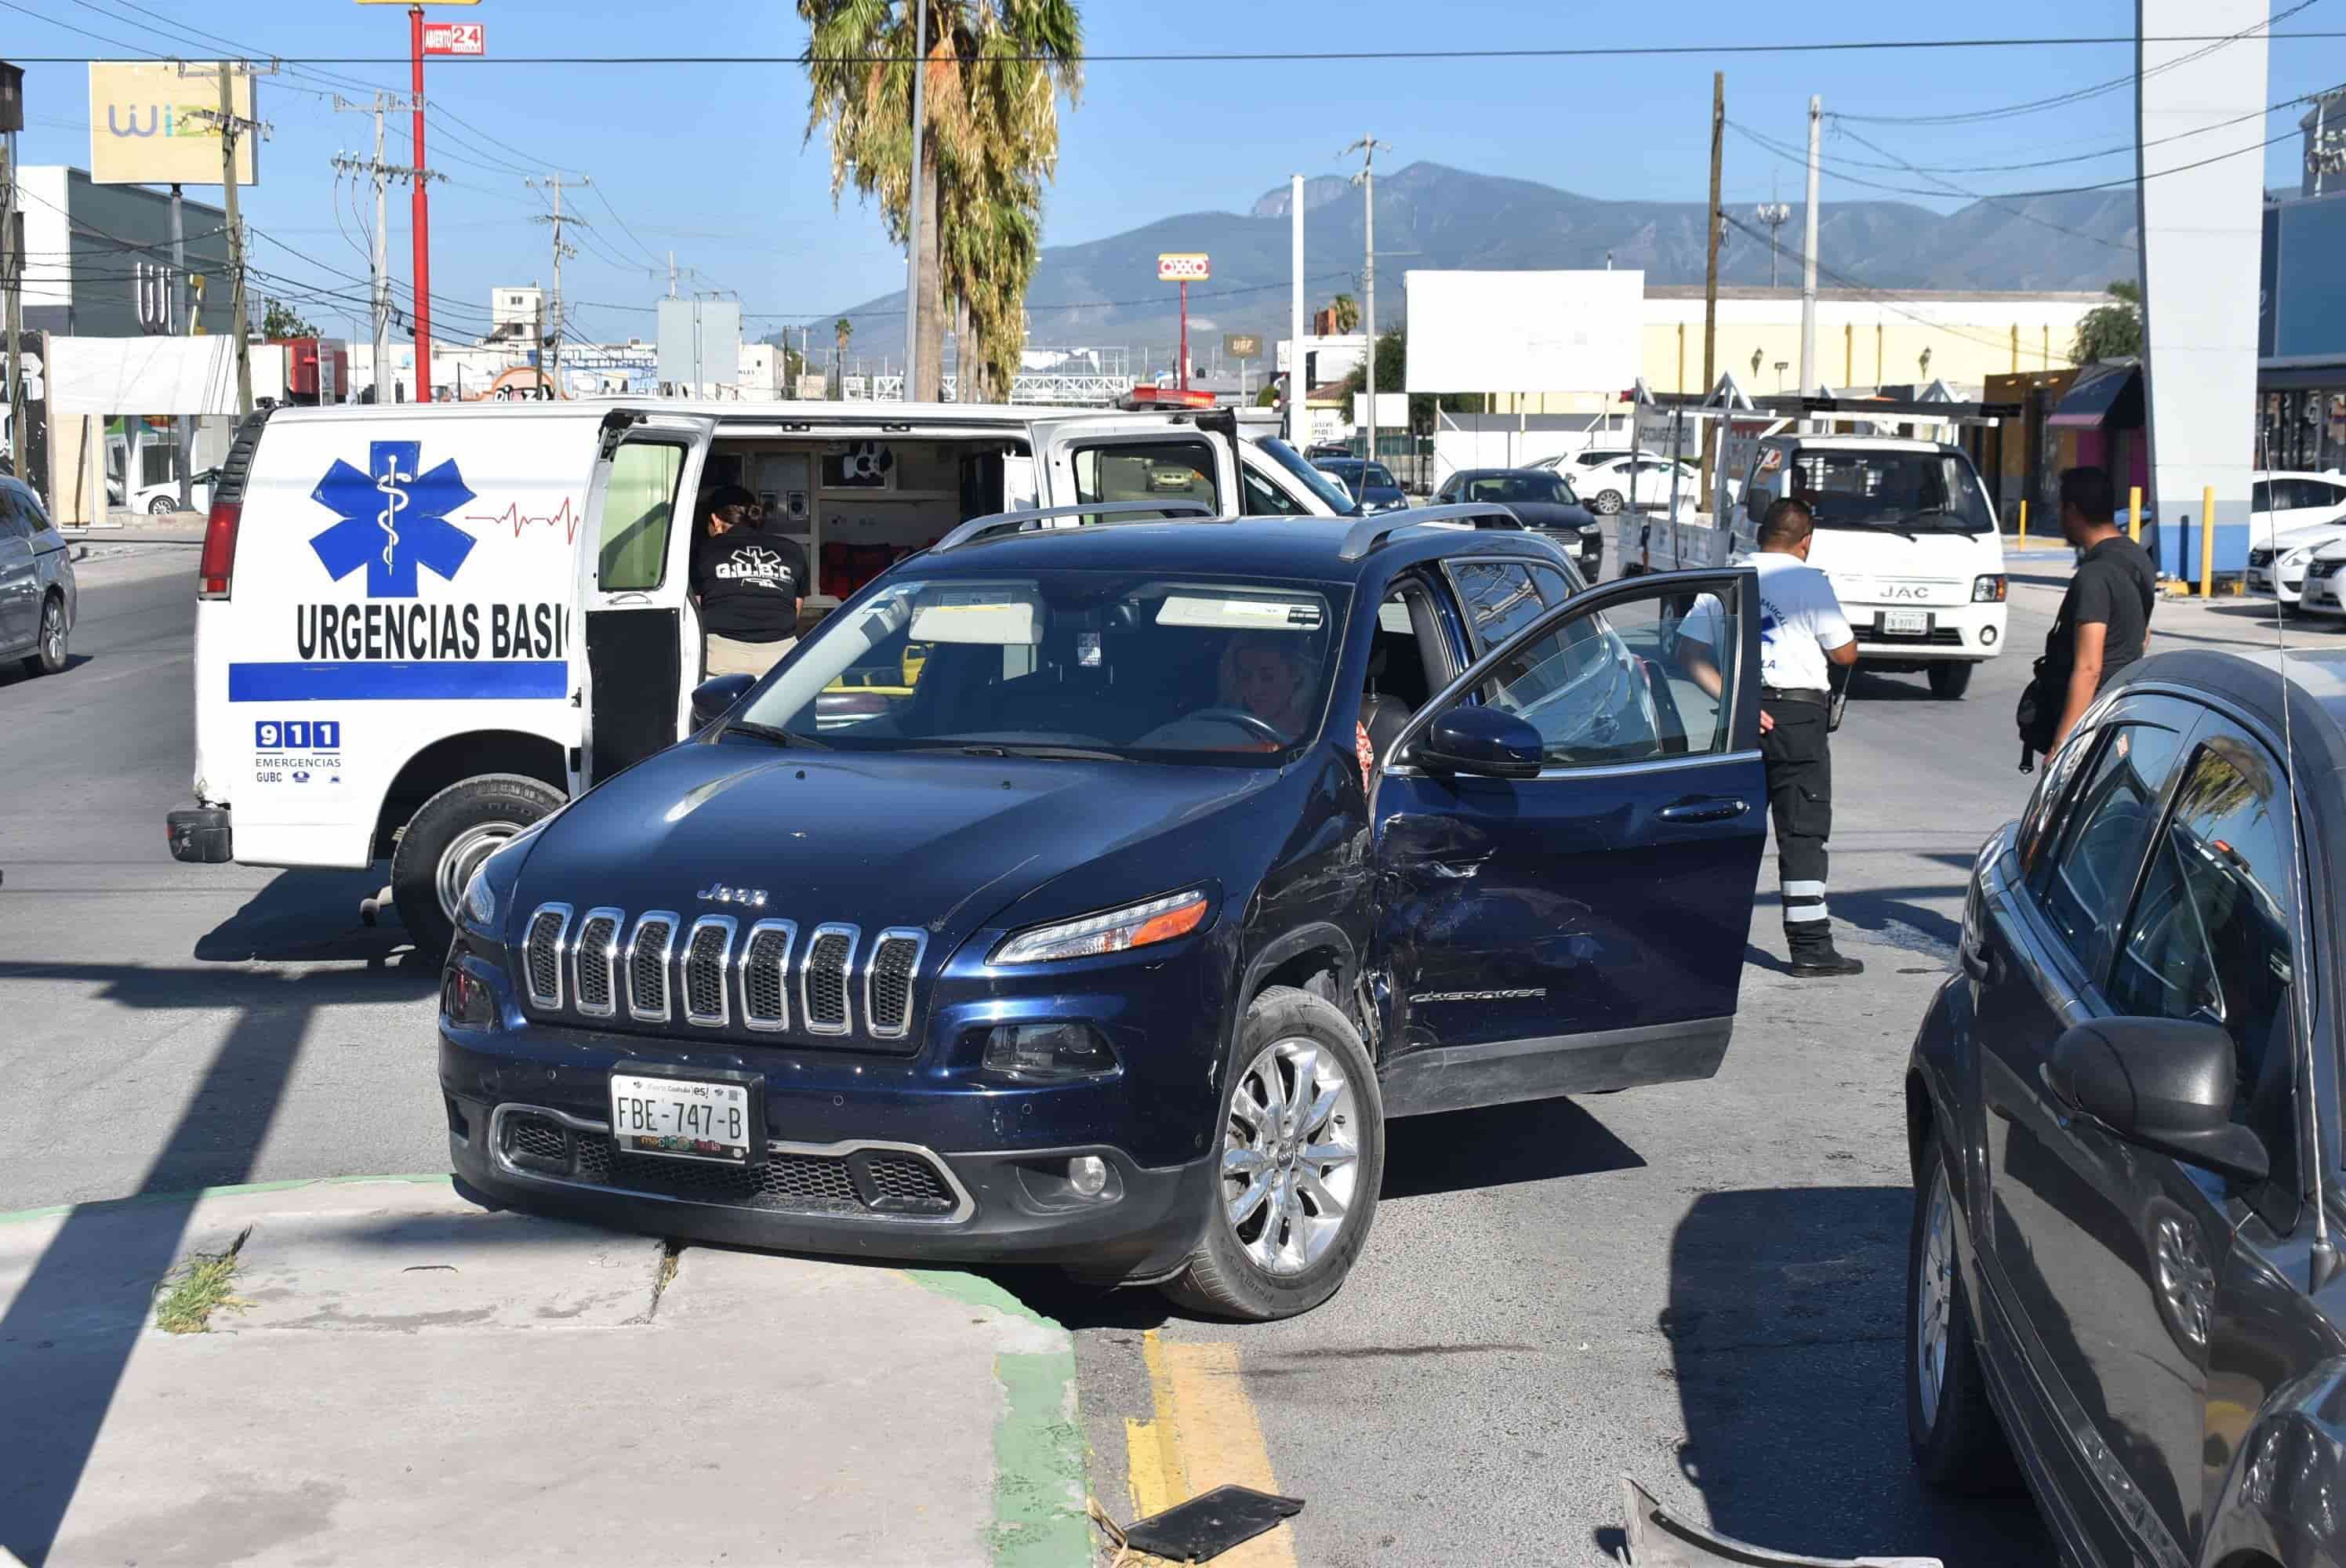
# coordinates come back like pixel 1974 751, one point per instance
pixel 393 518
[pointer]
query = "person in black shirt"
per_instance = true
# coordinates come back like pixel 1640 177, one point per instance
pixel 748 583
pixel 2105 619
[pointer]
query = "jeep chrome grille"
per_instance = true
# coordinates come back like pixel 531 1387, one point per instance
pixel 823 982
pixel 543 949
pixel 888 981
pixel 705 953
pixel 766 974
pixel 647 954
pixel 595 965
pixel 712 972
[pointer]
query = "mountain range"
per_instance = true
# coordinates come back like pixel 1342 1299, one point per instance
pixel 1105 291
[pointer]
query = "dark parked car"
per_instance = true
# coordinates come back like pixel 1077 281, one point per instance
pixel 1370 486
pixel 2118 1151
pixel 1543 498
pixel 1091 939
pixel 37 594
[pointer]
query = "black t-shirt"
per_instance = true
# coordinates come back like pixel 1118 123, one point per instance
pixel 2116 585
pixel 748 583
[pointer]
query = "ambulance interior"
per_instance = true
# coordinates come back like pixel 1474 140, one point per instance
pixel 855 505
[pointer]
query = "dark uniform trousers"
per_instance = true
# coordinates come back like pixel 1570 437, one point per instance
pixel 1800 799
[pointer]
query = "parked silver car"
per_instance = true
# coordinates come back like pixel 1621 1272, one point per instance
pixel 37 597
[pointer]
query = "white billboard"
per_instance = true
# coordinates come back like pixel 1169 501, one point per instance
pixel 1392 409
pixel 1561 331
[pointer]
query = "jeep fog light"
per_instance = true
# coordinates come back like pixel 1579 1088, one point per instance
pixel 1043 1052
pixel 1087 1174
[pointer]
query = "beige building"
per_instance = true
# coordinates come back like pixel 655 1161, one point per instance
pixel 1864 339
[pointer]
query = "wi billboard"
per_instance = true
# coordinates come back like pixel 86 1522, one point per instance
pixel 146 124
pixel 1545 331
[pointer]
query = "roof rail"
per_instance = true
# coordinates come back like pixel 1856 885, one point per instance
pixel 1002 523
pixel 1370 532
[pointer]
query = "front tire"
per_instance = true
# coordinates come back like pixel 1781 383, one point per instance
pixel 1607 502
pixel 1951 1427
pixel 1949 681
pixel 49 655
pixel 161 506
pixel 448 838
pixel 1302 1157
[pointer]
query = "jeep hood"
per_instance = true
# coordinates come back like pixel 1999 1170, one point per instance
pixel 873 840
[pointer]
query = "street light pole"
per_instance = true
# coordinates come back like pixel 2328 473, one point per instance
pixel 1809 257
pixel 1367 147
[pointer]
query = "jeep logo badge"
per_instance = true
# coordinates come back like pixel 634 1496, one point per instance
pixel 718 893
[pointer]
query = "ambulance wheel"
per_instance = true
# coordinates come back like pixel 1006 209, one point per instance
pixel 446 840
pixel 1950 680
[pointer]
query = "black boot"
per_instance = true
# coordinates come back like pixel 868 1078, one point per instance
pixel 1813 961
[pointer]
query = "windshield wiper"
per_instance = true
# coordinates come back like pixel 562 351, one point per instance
pixel 1047 753
pixel 773 732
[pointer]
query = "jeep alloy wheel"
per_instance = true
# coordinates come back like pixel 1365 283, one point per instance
pixel 1300 1155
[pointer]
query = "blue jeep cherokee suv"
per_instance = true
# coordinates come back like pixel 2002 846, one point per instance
pixel 1092 894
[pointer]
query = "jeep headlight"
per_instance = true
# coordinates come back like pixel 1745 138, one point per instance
pixel 481 900
pixel 1115 931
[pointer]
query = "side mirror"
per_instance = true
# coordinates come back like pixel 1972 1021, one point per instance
pixel 1483 741
pixel 2163 1083
pixel 713 699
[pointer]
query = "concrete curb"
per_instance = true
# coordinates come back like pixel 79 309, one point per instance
pixel 197 1195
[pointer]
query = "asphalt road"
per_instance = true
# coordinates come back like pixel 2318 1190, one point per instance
pixel 1700 1286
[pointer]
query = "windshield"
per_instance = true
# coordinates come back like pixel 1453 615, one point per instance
pixel 1099 665
pixel 1546 487
pixel 1914 492
pixel 1382 477
pixel 1311 478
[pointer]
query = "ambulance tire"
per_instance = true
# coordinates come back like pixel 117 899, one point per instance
pixel 449 835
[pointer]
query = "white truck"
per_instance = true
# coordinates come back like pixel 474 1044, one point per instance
pixel 1905 529
pixel 421 629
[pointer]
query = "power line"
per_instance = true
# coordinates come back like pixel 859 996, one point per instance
pixel 1281 56
pixel 2111 151
pixel 1780 150
pixel 2079 94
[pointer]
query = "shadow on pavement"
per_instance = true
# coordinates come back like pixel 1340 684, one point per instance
pixel 13 673
pixel 1787 1330
pixel 1498 1146
pixel 308 917
pixel 214 1143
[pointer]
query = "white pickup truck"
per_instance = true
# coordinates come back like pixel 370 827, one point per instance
pixel 1904 530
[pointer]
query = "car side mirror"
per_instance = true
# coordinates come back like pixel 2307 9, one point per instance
pixel 2163 1083
pixel 1482 741
pixel 713 699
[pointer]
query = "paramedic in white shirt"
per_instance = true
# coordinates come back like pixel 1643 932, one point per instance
pixel 1801 627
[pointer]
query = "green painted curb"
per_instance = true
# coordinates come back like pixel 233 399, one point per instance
pixel 1040 1520
pixel 976 1290
pixel 160 1199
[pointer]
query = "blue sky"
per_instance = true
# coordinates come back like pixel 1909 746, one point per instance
pixel 710 160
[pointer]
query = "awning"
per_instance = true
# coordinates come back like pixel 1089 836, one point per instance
pixel 2102 394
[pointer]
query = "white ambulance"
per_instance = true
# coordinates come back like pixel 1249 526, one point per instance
pixel 422 629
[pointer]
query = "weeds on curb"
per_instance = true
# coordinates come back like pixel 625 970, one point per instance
pixel 189 1295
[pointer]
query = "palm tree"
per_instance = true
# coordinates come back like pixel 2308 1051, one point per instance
pixel 1348 313
pixel 994 71
pixel 842 331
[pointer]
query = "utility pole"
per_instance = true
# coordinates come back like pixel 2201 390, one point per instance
pixel 12 277
pixel 1367 147
pixel 1295 410
pixel 1709 271
pixel 233 129
pixel 553 343
pixel 383 174
pixel 185 425
pixel 913 206
pixel 1809 257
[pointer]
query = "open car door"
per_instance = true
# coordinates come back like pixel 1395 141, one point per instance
pixel 635 561
pixel 1136 457
pixel 1580 925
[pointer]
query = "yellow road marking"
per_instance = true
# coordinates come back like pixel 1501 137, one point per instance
pixel 1204 1434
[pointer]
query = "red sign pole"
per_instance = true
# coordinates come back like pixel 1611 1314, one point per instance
pixel 1183 379
pixel 421 219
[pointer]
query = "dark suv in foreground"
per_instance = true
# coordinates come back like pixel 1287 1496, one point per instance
pixel 2122 1115
pixel 1092 894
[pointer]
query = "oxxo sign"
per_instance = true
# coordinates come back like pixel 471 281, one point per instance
pixel 1183 267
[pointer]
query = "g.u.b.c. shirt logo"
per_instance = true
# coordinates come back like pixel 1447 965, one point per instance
pixel 393 519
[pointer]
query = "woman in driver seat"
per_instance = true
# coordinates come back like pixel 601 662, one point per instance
pixel 1270 676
